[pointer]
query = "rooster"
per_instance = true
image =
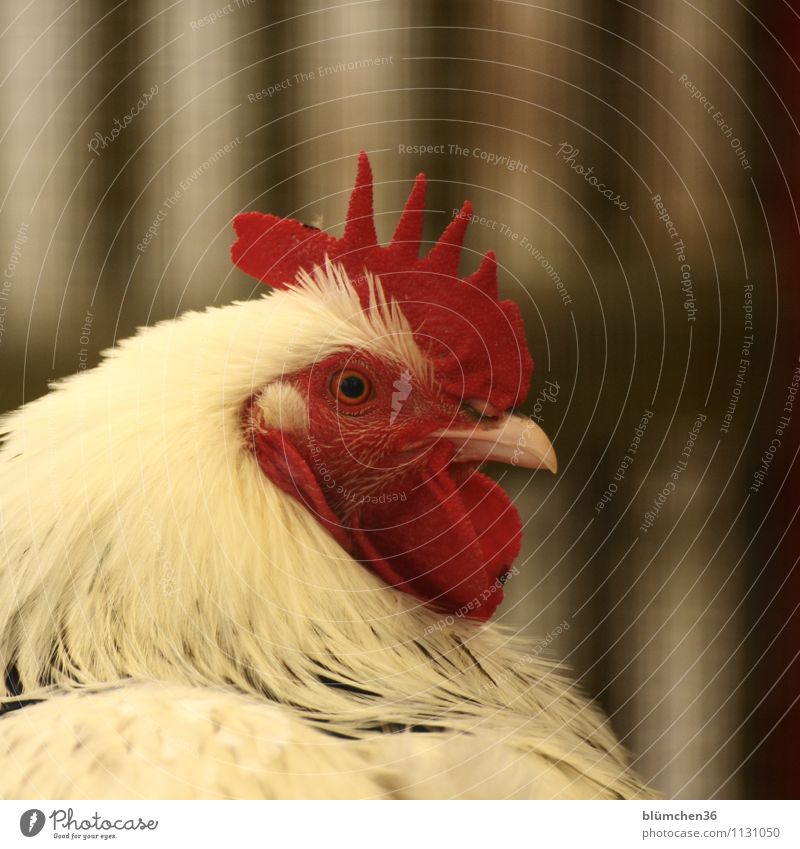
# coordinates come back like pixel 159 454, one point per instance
pixel 252 555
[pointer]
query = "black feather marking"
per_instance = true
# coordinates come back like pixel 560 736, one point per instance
pixel 399 728
pixel 14 688
pixel 435 658
pixel 257 684
pixel 338 681
pixel 474 660
pixel 291 673
pixel 345 687
pixel 188 650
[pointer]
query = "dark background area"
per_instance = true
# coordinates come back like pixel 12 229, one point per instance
pixel 686 631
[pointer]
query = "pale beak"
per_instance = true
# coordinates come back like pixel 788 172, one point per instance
pixel 516 440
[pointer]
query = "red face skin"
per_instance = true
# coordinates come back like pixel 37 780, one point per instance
pixel 364 449
pixel 369 470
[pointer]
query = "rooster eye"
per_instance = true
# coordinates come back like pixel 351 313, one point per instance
pixel 350 387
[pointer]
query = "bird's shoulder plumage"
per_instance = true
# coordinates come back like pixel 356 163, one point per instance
pixel 153 740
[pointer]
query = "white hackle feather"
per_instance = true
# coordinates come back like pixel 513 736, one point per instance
pixel 145 558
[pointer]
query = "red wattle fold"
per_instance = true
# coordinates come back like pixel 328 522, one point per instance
pixel 448 543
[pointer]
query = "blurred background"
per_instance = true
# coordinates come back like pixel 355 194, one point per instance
pixel 633 166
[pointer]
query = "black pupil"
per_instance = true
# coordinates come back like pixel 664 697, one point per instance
pixel 351 386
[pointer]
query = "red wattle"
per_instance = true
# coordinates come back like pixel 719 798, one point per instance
pixel 449 544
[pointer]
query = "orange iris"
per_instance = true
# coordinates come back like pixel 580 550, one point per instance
pixel 350 387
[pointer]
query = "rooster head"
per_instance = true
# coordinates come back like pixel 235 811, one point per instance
pixel 392 399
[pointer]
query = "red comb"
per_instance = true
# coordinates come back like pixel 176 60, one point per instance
pixel 476 342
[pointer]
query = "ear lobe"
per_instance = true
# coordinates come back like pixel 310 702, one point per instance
pixel 283 464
